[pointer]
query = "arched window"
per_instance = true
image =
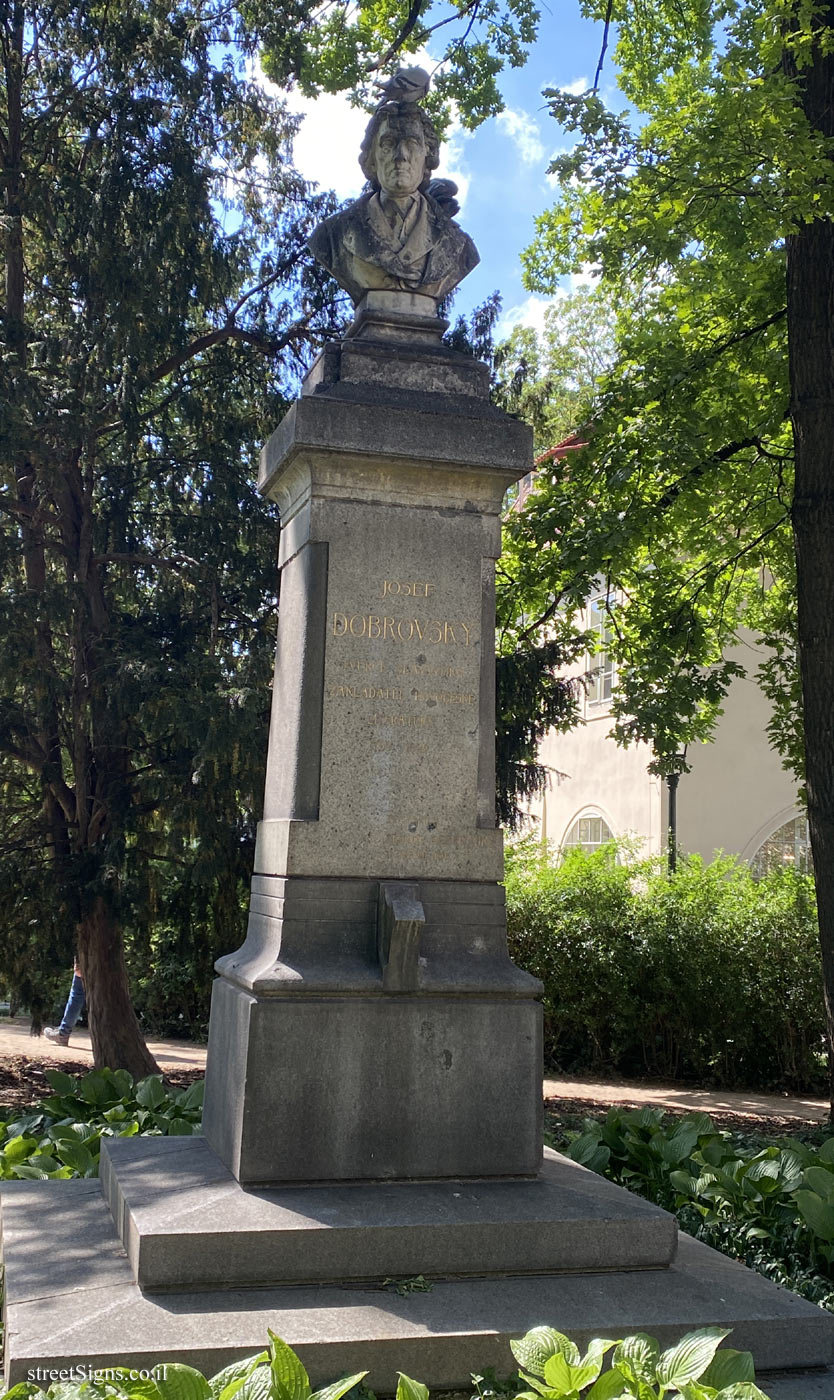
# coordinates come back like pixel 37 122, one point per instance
pixel 590 832
pixel 787 846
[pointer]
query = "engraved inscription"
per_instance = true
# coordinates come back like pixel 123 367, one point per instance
pixel 434 631
pixel 380 677
pixel 406 589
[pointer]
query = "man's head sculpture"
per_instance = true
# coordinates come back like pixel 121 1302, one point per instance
pixel 399 235
pixel 393 125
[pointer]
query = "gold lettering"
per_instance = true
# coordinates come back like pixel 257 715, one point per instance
pixel 435 631
pixel 414 588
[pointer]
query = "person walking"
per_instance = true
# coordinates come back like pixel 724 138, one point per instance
pixel 59 1035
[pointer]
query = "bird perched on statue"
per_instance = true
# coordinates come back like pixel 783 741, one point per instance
pixel 443 193
pixel 407 85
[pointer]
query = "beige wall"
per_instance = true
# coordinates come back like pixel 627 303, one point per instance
pixel 591 775
pixel 736 794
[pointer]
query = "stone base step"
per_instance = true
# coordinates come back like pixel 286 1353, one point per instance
pixel 71 1300
pixel 186 1223
pixel 802 1385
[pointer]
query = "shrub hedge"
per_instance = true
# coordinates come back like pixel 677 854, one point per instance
pixel 705 974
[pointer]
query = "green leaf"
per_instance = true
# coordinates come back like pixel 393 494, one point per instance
pixel 407 1389
pixel 96 1088
pixel 224 1384
pixel 637 1356
pixel 820 1181
pixel 744 1390
pixel 258 1385
pixel 727 1367
pixel 17 1149
pixel 150 1092
pixel 192 1097
pixel 177 1382
pixel 816 1213
pixel 533 1350
pixel 289 1378
pixel 691 1357
pixel 63 1084
pixel 611 1386
pixel 75 1155
pixel 340 1388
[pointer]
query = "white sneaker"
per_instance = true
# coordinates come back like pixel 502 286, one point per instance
pixel 57 1037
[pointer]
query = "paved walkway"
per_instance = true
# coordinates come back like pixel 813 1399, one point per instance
pixel 181 1054
pixel 15 1039
pixel 674 1096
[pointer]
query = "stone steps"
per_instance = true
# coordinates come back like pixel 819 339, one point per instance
pixel 185 1222
pixel 72 1300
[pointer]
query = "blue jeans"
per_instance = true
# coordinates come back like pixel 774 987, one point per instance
pixel 74 1006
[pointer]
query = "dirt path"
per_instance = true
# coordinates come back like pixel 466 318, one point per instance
pixel 23 1059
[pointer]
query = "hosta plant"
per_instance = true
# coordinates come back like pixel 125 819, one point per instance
pixel 61 1136
pixel 553 1368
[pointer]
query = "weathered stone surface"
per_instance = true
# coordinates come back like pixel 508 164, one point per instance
pixel 309 936
pixel 406 756
pixel 805 1385
pixel 376 359
pixel 342 1088
pixel 71 1300
pixel 186 1223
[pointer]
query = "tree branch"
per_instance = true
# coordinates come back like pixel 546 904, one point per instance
pixel 414 12
pixel 609 10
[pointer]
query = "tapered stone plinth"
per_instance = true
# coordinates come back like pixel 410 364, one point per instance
pixel 351 1040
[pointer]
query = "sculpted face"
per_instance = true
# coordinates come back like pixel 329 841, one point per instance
pixel 400 155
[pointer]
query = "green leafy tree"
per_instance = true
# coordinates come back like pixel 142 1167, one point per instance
pixel 156 294
pixel 706 494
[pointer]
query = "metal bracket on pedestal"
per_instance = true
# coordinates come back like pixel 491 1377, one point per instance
pixel 400 919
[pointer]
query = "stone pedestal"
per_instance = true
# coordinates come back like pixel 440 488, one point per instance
pixel 372 1025
pixel 373 1105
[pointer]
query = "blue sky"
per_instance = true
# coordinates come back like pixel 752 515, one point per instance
pixel 501 168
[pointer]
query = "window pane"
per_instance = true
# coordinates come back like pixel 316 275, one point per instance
pixel 789 846
pixel 601 664
pixel 589 833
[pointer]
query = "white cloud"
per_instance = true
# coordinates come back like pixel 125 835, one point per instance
pixel 326 148
pixel 588 276
pixel 524 133
pixel 578 86
pixel 531 313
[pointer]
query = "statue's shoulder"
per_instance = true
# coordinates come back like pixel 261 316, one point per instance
pixel 449 232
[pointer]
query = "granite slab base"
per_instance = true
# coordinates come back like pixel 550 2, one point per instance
pixel 71 1300
pixel 349 1088
pixel 186 1223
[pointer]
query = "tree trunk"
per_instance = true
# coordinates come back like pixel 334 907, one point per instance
pixel 810 277
pixel 117 1040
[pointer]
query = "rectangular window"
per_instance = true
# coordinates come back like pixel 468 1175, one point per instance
pixel 602 668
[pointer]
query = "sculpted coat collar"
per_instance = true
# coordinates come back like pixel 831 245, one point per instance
pixel 414 248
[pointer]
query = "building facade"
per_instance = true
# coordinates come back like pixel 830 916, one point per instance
pixel 737 797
